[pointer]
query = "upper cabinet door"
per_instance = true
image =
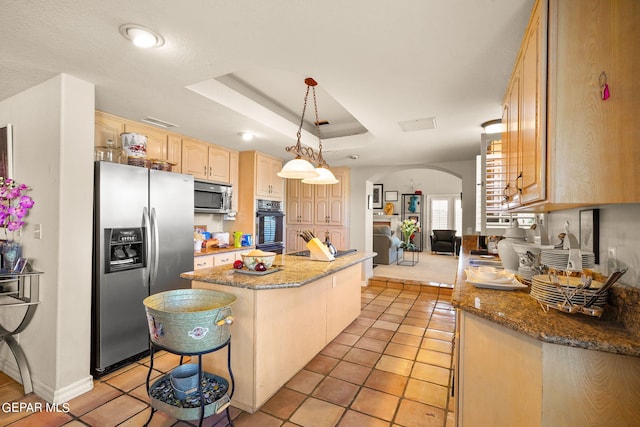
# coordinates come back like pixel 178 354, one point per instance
pixel 194 158
pixel 218 164
pixel 108 127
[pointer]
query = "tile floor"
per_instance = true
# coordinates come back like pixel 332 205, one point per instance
pixel 390 367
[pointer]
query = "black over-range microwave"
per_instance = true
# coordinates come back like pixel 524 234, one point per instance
pixel 211 198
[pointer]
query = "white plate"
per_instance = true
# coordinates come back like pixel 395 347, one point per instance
pixel 477 276
pixel 513 285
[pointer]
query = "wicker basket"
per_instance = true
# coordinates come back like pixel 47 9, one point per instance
pixel 189 320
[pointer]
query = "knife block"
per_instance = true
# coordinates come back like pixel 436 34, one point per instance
pixel 318 251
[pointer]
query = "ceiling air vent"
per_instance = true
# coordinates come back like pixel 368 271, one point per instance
pixel 418 124
pixel 158 122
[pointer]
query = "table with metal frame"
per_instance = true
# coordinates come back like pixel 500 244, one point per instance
pixel 19 290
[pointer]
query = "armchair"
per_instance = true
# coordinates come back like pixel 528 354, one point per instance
pixel 445 241
pixel 385 244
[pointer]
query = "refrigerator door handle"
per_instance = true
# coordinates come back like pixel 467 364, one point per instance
pixel 156 245
pixel 146 225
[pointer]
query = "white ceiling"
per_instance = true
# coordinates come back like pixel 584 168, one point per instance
pixel 384 62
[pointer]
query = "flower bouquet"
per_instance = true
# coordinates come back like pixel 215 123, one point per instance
pixel 14 207
pixel 409 227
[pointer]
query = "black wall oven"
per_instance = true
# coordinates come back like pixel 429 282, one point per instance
pixel 269 226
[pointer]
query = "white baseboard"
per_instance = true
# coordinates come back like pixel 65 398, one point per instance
pixel 10 368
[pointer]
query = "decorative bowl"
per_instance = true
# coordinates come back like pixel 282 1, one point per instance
pixel 251 259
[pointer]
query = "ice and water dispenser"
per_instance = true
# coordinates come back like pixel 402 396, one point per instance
pixel 125 249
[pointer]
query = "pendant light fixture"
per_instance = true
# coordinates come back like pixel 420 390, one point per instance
pixel 301 167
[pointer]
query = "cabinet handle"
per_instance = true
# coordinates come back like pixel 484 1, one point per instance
pixel 210 170
pixel 205 170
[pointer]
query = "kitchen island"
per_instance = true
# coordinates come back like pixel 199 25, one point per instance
pixel 519 365
pixel 282 319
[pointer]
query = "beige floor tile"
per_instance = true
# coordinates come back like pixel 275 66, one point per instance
pixel 322 364
pixel 376 403
pixel 346 339
pixel 426 392
pixel 379 334
pixel 101 393
pixel 395 365
pixel 43 418
pixel 437 345
pixel 419 314
pixel 351 372
pixel 394 318
pixel 336 350
pixel 363 321
pixel 356 419
pixel 434 358
pixel 304 381
pixel 431 373
pixel 387 382
pixel 133 378
pixel 11 391
pixel 439 335
pixel 167 361
pixel 397 311
pixel 402 306
pixel 406 339
pixel 336 391
pixel 362 357
pixel 114 412
pixel 10 415
pixel 283 403
pixel 317 413
pixel 401 350
pixel 257 419
pixel 418 414
pixel 371 344
pixel 412 330
pixel 383 324
pixel 413 321
pixel 371 314
pixel 355 329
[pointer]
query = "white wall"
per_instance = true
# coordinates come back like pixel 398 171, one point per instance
pixel 618 229
pixel 53 127
pixel 450 177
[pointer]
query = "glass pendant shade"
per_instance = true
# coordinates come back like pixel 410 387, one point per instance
pixel 298 169
pixel 325 176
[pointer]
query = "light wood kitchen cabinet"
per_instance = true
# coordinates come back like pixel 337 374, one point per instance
pixel 524 125
pixel 330 200
pixel 300 202
pixel 107 127
pixel 268 184
pixel 205 161
pixel 234 178
pixel 318 208
pixel 506 378
pixel 586 153
pixel 174 151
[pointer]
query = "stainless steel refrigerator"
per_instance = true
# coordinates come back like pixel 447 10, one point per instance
pixel 143 240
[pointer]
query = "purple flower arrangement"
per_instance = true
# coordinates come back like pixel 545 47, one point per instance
pixel 14 204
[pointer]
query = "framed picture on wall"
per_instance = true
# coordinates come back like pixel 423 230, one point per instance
pixel 590 232
pixel 6 151
pixel 377 196
pixel 391 196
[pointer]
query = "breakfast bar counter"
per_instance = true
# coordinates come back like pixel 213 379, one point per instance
pixel 282 319
pixel 517 364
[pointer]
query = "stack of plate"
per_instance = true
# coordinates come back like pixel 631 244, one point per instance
pixel 548 294
pixel 558 258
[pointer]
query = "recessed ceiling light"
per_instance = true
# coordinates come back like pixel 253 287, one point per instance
pixel 141 36
pixel 354 156
pixel 246 136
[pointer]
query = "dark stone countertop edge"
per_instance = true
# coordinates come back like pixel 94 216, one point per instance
pixel 225 275
pixel 518 311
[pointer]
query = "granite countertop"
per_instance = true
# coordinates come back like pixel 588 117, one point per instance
pixel 294 271
pixel 518 311
pixel 215 251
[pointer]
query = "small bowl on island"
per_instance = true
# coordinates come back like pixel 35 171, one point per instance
pixel 256 256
